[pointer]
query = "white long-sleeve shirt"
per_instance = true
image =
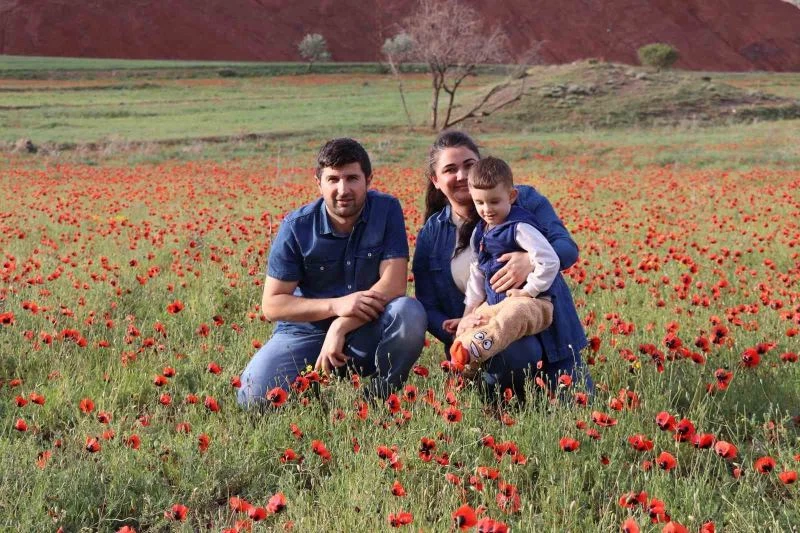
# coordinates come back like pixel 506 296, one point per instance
pixel 544 260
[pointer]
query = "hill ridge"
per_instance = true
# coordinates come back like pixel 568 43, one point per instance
pixel 731 35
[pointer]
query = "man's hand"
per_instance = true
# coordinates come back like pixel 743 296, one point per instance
pixel 518 293
pixel 365 305
pixel 513 273
pixel 332 354
pixel 451 325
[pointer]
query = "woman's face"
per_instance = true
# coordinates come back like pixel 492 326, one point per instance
pixel 450 175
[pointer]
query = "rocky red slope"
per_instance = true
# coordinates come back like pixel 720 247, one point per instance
pixel 710 34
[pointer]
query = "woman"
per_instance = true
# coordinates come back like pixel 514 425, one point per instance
pixel 441 270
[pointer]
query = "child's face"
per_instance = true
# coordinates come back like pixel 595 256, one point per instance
pixel 493 205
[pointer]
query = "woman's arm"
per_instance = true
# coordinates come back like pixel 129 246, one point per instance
pixel 553 228
pixel 424 288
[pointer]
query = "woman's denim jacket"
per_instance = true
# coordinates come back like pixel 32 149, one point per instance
pixel 442 299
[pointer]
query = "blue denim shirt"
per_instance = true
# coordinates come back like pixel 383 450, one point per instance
pixel 442 299
pixel 329 265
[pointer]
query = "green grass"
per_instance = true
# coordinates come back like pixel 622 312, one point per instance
pixel 190 175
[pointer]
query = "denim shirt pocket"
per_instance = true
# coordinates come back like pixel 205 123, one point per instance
pixel 367 271
pixel 322 276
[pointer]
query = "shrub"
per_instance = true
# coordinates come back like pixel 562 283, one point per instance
pixel 658 55
pixel 314 49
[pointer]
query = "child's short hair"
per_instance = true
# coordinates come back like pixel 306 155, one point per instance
pixel 490 172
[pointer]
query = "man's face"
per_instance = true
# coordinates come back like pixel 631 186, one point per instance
pixel 344 190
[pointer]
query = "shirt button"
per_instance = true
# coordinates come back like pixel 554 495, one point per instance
pixel 349 286
pixel 369 254
pixel 322 268
pixel 348 263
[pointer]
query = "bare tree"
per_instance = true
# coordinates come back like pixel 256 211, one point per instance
pixel 451 39
pixel 313 48
pixel 396 50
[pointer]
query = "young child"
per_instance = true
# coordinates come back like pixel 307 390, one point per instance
pixel 503 228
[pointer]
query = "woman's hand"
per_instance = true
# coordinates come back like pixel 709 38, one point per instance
pixel 451 325
pixel 513 273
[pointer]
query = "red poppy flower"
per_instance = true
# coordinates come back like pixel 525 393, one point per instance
pixel 630 526
pixel 665 421
pixel 318 447
pixel 21 425
pixel 175 307
pixel 296 431
pixel 300 384
pixel 86 406
pixel 666 461
pixel 629 500
pixel 421 371
pixel 165 399
pixel 133 441
pixel 126 529
pixel 789 357
pixel 640 443
pixel 177 512
pixel 393 403
pixel 725 449
pixel 765 465
pixel 707 527
pixel 104 417
pixel 703 440
pixel 674 527
pixel 257 513
pixel 213 368
pixel 569 445
pixel 464 517
pixel 684 430
pixel 487 525
pixel 238 504
pixel 452 414
pixel 751 358
pixel 398 489
pixel 276 503
pixel 602 419
pixel 92 445
pixel 36 398
pixel 211 404
pixel 788 477
pixel 160 381
pixel 203 442
pixel 236 382
pixel 277 396
pixel 400 519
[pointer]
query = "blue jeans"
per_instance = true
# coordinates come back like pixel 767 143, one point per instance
pixel 494 383
pixel 385 348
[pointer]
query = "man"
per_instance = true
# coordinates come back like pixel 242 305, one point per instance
pixel 336 285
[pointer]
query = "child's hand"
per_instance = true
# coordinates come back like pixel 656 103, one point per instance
pixel 451 325
pixel 518 293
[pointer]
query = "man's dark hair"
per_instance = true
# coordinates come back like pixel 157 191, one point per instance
pixel 339 152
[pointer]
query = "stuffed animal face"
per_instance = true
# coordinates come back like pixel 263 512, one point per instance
pixel 481 341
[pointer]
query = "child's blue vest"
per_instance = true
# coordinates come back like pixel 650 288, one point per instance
pixel 499 240
pixel 565 336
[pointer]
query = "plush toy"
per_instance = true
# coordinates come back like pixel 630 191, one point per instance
pixel 509 320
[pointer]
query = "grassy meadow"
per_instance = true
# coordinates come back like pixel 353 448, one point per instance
pixel 133 247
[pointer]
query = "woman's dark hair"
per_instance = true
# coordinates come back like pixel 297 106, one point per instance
pixel 340 152
pixel 435 200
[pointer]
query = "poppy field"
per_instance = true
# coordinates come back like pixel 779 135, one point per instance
pixel 129 304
